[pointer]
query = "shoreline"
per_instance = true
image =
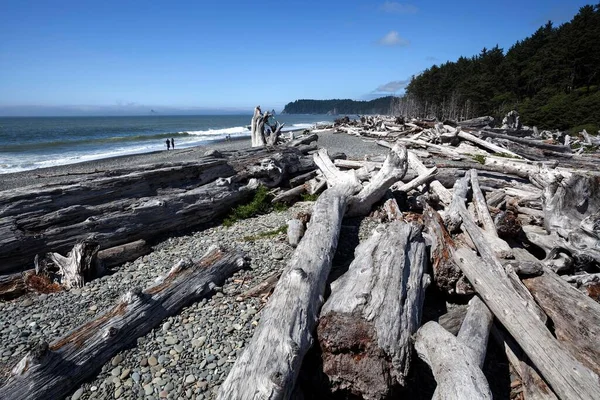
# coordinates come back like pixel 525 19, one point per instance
pixel 352 146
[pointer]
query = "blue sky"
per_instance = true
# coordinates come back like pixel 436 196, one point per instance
pixel 177 55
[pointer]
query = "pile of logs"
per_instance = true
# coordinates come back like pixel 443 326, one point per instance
pixel 494 217
pixel 516 235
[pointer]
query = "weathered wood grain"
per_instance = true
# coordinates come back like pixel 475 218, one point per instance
pixel 53 370
pixel 366 325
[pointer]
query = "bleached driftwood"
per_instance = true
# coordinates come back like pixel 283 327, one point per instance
pixel 572 210
pixel 416 182
pixel 269 365
pixel 14 285
pixel 473 336
pixel 501 248
pixel 121 254
pixel 527 142
pixel 436 187
pixel 262 288
pixel 456 373
pixel 366 324
pixel 258 132
pixel 475 329
pixel 565 374
pixel 393 169
pixel 49 373
pixel 575 316
pixel 74 269
pixel 295 231
pixel 121 206
pixel 483 213
pixel 486 145
pixel 453 219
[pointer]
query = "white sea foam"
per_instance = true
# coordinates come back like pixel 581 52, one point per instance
pixel 225 131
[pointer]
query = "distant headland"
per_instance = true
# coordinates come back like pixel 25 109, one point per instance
pixel 336 106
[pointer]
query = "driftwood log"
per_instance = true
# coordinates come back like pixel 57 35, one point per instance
pixel 14 285
pixel 49 372
pixel 565 374
pixel 575 317
pixel 366 325
pixel 113 210
pixel 456 373
pixel 270 364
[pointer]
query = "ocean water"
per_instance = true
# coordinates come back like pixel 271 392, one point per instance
pixel 30 143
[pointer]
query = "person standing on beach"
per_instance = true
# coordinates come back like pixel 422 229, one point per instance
pixel 168 145
pixel 173 143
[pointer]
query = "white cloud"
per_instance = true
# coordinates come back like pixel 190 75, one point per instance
pixel 393 7
pixel 393 86
pixel 392 38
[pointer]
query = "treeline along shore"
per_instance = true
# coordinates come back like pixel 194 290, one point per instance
pixel 552 78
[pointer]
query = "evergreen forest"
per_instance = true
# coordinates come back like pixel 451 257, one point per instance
pixel 551 78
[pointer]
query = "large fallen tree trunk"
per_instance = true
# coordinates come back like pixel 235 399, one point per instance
pixel 139 205
pixel 575 317
pixel 49 372
pixel 269 366
pixel 366 325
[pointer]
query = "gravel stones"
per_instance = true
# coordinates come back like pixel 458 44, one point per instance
pixel 186 356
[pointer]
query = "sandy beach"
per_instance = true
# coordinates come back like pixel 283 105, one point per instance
pixel 352 146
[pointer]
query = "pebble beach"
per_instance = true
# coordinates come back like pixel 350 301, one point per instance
pixel 188 355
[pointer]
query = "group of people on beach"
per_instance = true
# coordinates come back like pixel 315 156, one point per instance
pixel 170 143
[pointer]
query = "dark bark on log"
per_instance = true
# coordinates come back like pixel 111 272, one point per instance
pixel 575 317
pixel 12 286
pixel 55 369
pixel 306 139
pixel 478 122
pixel 445 272
pixel 366 324
pixel 300 179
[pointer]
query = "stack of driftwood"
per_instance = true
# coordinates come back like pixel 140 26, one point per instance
pixel 511 222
